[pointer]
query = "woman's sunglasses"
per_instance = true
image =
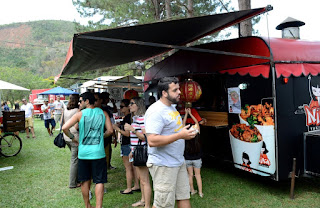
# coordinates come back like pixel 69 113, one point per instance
pixel 132 103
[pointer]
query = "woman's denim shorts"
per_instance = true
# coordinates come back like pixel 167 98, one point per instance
pixel 194 163
pixel 125 150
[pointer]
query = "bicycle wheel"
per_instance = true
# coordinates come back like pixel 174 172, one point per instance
pixel 10 145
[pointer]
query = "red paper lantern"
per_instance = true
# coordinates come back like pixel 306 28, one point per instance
pixel 190 91
pixel 129 94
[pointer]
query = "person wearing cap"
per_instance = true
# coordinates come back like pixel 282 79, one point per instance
pixel 45 108
pixel 29 112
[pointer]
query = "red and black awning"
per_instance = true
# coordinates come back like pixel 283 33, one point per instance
pixel 246 56
pixel 105 48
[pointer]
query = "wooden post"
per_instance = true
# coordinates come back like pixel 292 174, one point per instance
pixel 293 177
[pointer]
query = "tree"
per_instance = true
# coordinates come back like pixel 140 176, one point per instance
pixel 190 8
pixel 156 7
pixel 114 13
pixel 168 9
pixel 22 78
pixel 245 26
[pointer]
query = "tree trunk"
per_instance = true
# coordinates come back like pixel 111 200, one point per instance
pixel 190 8
pixel 245 28
pixel 156 5
pixel 168 9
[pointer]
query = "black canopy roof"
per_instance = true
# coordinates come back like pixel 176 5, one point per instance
pixel 105 48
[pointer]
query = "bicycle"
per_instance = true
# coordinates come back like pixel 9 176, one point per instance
pixel 10 144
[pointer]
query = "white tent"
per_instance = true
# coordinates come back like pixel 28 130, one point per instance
pixel 129 82
pixel 116 87
pixel 8 86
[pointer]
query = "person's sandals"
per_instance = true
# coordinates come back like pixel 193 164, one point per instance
pixel 194 192
pixel 122 192
pixel 201 195
pixel 138 204
pixel 28 137
pixel 136 190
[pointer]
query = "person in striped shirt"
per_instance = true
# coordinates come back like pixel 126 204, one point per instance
pixel 137 132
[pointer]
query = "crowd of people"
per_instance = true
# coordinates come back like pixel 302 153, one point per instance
pixel 171 166
pixel 51 114
pixel 174 151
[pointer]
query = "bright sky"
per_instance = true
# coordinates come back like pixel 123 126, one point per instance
pixel 12 11
pixel 303 10
pixel 307 11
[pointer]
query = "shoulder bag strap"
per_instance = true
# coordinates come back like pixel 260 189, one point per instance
pixel 145 137
pixel 61 121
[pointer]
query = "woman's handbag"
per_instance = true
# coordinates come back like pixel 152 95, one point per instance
pixel 59 140
pixel 140 153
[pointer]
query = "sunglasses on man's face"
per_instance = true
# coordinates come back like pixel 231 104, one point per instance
pixel 122 106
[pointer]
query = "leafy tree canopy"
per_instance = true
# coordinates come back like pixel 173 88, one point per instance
pixel 114 13
pixel 22 78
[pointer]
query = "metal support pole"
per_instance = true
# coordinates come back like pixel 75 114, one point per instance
pixel 293 177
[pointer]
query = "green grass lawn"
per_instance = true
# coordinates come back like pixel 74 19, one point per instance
pixel 41 173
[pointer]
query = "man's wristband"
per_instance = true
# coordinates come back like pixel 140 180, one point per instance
pixel 72 137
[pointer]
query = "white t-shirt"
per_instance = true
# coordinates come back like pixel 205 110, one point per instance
pixel 165 120
pixel 47 114
pixel 28 109
pixel 59 106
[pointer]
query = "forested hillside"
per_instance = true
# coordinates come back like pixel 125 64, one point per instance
pixel 32 53
pixel 38 47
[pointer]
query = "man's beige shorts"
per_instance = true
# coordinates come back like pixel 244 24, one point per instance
pixel 29 122
pixel 57 118
pixel 169 184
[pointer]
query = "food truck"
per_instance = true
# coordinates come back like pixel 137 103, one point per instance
pixel 261 100
pixel 259 95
